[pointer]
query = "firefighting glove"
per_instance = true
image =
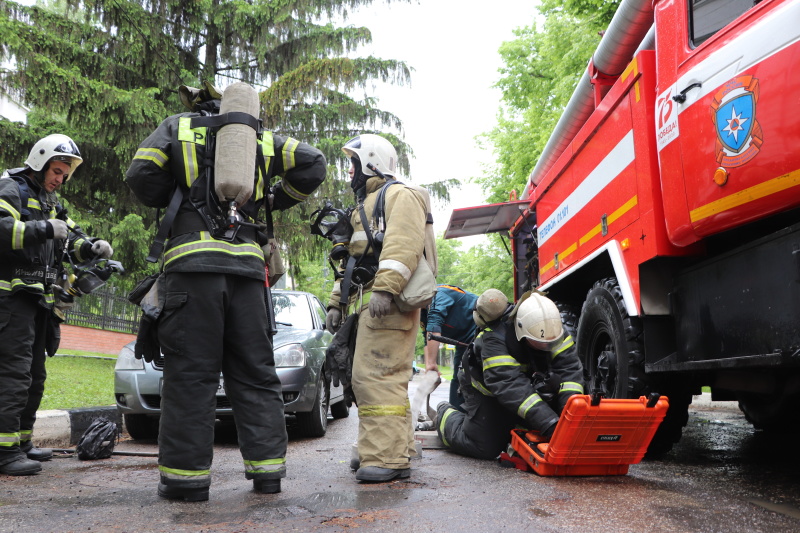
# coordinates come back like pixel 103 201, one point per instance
pixel 333 319
pixel 147 346
pixel 57 229
pixel 379 304
pixel 102 249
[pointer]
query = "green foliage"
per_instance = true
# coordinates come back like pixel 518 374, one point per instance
pixel 541 67
pixel 106 72
pixel 483 268
pixel 74 382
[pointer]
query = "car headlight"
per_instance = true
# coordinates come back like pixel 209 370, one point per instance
pixel 290 355
pixel 127 360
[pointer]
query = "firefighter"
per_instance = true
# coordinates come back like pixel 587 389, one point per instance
pixel 214 317
pixel 385 337
pixel 450 316
pixel 31 253
pixel 521 372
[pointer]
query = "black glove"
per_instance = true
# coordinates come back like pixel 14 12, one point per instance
pixel 147 346
pixel 333 319
pixel 379 304
pixel 53 336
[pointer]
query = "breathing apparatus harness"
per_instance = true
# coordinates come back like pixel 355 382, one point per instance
pixel 334 225
pixel 223 222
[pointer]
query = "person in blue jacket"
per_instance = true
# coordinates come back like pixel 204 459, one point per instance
pixel 449 315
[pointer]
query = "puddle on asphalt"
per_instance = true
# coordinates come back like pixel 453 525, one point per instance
pixel 357 500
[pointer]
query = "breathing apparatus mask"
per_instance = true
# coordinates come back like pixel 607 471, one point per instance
pixel 359 181
pixel 334 225
pixel 86 278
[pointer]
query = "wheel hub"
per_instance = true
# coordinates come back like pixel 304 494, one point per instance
pixel 607 369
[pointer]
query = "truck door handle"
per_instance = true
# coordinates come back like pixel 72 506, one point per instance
pixel 681 97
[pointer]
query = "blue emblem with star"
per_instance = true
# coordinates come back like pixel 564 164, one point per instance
pixel 735 121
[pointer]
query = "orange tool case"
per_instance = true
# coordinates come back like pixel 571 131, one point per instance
pixel 594 437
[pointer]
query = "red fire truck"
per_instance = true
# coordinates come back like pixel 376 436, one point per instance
pixel 664 213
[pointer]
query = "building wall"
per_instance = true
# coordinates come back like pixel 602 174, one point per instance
pixel 93 340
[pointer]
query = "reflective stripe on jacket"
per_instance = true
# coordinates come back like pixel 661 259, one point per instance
pixel 24 246
pixel 175 153
pixel 506 367
pixel 403 240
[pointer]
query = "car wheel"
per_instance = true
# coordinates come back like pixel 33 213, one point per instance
pixel 315 422
pixel 141 427
pixel 340 409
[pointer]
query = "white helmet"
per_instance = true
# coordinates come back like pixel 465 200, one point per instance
pixel 54 147
pixel 539 320
pixel 372 149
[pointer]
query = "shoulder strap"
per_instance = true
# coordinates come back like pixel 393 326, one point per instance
pixel 157 248
pixel 379 211
pixel 24 193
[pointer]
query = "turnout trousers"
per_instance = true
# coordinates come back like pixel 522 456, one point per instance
pixel 215 322
pixel 483 432
pixel 23 328
pixel 382 362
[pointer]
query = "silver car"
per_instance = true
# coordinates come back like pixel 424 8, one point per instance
pixel 299 348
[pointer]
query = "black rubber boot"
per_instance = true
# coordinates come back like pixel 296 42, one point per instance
pixel 187 494
pixel 267 486
pixel 21 467
pixel 379 474
pixel 37 454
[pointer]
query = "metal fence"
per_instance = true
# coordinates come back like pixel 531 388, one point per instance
pixel 105 309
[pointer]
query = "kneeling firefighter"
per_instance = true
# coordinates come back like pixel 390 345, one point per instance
pixel 520 370
pixel 382 253
pixel 214 167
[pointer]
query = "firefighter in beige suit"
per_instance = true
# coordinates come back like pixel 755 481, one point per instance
pixel 386 337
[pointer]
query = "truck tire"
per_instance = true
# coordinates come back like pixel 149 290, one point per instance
pixel 314 423
pixel 671 428
pixel 611 348
pixel 609 343
pixel 776 412
pixel 141 427
pixel 569 318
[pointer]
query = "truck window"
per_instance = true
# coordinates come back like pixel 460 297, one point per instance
pixel 710 16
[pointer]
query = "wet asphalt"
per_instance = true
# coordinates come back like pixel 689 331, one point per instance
pixel 723 476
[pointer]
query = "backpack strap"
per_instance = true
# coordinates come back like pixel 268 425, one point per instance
pixel 157 248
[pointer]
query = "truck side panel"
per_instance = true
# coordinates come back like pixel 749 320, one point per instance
pixel 731 156
pixel 606 187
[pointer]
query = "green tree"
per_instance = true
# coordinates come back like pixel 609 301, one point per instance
pixel 106 72
pixel 540 69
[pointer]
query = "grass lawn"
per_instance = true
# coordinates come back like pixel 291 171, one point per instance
pixel 74 382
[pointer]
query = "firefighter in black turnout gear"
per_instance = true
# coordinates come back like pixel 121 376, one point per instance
pixel 34 244
pixel 522 370
pixel 214 317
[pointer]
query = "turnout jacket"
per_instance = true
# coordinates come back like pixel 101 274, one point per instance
pixel 450 313
pixel 175 155
pixel 29 261
pixel 403 243
pixel 502 367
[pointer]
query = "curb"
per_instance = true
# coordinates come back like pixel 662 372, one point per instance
pixel 64 427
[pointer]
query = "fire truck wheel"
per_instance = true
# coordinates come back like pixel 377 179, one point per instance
pixel 775 412
pixel 569 317
pixel 609 343
pixel 671 429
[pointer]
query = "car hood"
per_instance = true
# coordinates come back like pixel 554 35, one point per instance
pixel 293 335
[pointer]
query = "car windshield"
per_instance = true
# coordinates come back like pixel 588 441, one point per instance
pixel 292 309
